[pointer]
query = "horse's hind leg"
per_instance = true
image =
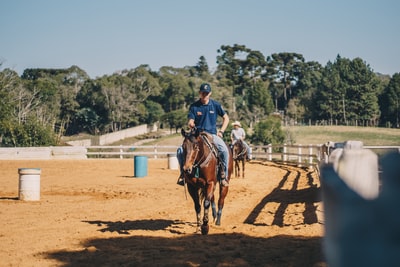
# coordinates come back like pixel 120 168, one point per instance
pixel 222 194
pixel 214 210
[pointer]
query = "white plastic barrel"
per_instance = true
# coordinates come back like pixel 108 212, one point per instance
pixel 173 163
pixel 29 184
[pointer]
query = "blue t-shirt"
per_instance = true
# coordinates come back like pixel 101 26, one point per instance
pixel 205 115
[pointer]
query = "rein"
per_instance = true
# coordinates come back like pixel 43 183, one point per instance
pixel 205 162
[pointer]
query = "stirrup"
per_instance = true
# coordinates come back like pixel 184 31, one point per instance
pixel 181 181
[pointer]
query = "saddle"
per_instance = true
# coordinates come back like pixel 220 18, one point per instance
pixel 208 139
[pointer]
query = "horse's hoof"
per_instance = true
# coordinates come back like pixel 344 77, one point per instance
pixel 204 229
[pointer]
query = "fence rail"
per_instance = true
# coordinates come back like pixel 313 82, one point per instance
pixel 130 151
pixel 301 155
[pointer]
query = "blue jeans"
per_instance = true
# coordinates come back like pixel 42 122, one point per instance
pixel 222 152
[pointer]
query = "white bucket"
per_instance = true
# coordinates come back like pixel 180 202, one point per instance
pixel 29 184
pixel 173 163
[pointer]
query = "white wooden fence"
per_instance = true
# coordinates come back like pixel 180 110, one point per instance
pixel 300 155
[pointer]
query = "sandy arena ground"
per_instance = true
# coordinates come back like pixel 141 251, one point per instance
pixel 96 213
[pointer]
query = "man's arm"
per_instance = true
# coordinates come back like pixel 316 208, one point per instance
pixel 225 122
pixel 243 134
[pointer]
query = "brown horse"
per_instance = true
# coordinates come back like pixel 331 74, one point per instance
pixel 239 152
pixel 200 171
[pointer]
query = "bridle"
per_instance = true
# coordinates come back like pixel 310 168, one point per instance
pixel 242 152
pixel 205 159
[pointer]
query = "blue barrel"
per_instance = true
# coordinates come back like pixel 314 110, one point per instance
pixel 140 166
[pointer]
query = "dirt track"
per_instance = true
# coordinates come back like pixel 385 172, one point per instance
pixel 96 213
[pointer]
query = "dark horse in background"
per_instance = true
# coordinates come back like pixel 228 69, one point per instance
pixel 200 170
pixel 239 152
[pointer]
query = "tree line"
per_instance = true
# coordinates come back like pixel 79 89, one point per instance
pixel 42 105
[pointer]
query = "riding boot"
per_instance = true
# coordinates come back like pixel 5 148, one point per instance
pixel 181 180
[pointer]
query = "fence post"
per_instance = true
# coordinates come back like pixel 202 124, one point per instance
pixel 121 151
pixel 155 151
pixel 299 151
pixel 269 151
pixel 284 153
pixel 310 158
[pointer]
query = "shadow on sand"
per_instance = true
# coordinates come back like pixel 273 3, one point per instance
pixel 231 249
pixel 193 250
pixel 309 196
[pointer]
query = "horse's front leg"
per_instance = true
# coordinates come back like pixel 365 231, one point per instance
pixel 207 203
pixel 197 206
pixel 243 164
pixel 237 168
pixel 198 217
pixel 205 227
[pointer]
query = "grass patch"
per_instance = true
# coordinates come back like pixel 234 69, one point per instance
pixel 305 135
pixel 370 136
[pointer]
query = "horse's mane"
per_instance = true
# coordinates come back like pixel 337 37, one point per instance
pixel 207 135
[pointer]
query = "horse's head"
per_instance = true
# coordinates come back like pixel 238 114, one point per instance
pixel 190 147
pixel 238 150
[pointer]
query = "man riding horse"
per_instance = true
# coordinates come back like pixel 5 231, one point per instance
pixel 238 133
pixel 203 115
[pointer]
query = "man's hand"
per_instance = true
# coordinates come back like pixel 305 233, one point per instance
pixel 191 124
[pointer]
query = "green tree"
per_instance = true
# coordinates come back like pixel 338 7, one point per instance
pixel 154 112
pixel 259 101
pixel 118 100
pixel 87 120
pixel 283 71
pixel 328 99
pixel 92 108
pixel 71 83
pixel 177 90
pixel 348 93
pixel 9 80
pixel 201 69
pixel 304 90
pixel 390 102
pixel 176 119
pixel 28 134
pixel 268 131
pixel 241 69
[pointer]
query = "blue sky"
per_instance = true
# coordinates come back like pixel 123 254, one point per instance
pixel 102 37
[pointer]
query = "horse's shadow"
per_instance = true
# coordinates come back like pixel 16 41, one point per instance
pixel 124 227
pixel 308 196
pixel 9 198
